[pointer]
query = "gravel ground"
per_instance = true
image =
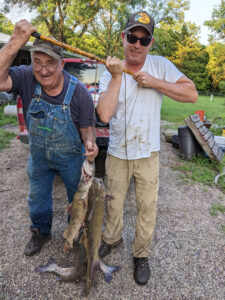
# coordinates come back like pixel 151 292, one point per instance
pixel 187 251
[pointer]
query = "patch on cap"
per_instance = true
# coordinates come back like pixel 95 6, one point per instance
pixel 142 18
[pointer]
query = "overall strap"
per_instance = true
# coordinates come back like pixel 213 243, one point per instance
pixel 70 90
pixel 37 89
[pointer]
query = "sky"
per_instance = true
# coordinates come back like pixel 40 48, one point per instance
pixel 200 11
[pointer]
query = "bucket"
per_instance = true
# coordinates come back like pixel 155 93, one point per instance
pixel 201 114
pixel 10 110
pixel 188 144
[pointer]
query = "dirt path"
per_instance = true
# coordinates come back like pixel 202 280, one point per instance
pixel 187 252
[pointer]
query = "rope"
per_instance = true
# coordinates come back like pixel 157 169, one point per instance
pixel 95 90
pixel 129 189
pixel 125 136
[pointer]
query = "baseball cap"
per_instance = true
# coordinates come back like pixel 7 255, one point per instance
pixel 142 19
pixel 47 48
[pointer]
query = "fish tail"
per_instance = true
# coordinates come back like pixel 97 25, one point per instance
pixel 108 271
pixel 45 268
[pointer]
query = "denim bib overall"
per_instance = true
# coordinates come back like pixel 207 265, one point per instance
pixel 55 148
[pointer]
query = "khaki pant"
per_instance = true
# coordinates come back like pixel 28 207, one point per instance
pixel 146 180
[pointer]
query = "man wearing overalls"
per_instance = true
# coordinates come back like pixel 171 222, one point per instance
pixel 59 115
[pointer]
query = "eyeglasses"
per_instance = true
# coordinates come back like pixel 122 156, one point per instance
pixel 50 66
pixel 132 39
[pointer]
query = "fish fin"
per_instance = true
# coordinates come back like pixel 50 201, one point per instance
pixel 107 271
pixel 45 268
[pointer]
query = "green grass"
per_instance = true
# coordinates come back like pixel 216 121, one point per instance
pixel 223 228
pixel 201 169
pixel 5 137
pixel 198 169
pixel 7 120
pixel 215 208
pixel 176 112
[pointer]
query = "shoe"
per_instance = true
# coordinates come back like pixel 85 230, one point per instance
pixel 105 248
pixel 36 242
pixel 141 270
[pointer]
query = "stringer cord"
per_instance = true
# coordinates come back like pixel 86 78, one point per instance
pixel 125 136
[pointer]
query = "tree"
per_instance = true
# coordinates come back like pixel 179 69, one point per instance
pixel 168 11
pixel 217 23
pixel 216 64
pixel 165 43
pixel 99 22
pixel 112 17
pixel 190 56
pixel 6 25
pixel 167 37
pixel 58 15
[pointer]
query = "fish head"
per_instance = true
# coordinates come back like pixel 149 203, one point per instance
pixel 88 170
pixel 88 167
pixel 98 189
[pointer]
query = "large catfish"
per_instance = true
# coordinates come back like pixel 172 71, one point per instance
pixel 91 240
pixel 79 206
pixel 92 232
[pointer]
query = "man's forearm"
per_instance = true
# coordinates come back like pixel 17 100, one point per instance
pixel 88 134
pixel 7 55
pixel 108 100
pixel 20 36
pixel 88 137
pixel 181 91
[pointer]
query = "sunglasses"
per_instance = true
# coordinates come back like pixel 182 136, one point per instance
pixel 132 39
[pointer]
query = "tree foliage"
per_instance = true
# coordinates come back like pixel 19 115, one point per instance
pixel 102 19
pixel 217 23
pixel 216 64
pixel 6 25
pixel 168 11
pixel 191 58
pixel 96 25
pixel 58 15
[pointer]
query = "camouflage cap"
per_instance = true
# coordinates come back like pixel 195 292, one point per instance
pixel 47 48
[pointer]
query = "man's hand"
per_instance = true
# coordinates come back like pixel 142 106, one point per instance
pixel 91 150
pixel 145 80
pixel 114 66
pixel 22 32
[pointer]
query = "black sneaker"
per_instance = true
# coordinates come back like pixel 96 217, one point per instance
pixel 36 242
pixel 105 248
pixel 141 270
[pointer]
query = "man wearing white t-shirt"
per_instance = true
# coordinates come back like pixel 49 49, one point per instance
pixel 131 105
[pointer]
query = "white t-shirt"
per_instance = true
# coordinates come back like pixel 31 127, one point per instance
pixel 142 106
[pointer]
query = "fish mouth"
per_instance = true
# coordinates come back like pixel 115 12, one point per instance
pixel 88 167
pixel 87 177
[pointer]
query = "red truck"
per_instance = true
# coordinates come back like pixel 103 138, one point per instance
pixel 89 72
